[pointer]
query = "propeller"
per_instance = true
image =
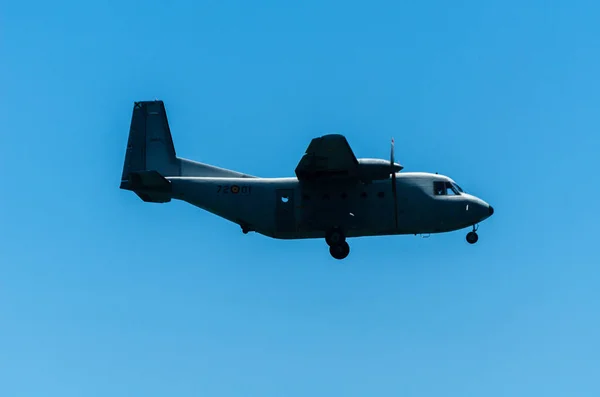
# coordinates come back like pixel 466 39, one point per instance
pixel 394 193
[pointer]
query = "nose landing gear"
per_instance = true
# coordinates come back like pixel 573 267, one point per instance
pixel 338 247
pixel 472 236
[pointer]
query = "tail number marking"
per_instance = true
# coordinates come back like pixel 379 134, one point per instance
pixel 234 189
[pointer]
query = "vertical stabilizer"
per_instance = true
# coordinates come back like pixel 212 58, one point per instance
pixel 150 145
pixel 150 157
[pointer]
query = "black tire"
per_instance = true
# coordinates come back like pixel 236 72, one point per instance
pixel 472 237
pixel 339 251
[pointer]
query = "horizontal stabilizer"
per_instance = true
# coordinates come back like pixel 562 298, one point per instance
pixel 150 186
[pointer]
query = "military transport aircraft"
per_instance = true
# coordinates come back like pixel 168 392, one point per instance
pixel 334 195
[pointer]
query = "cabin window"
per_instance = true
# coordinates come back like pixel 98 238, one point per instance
pixel 441 188
pixel 451 190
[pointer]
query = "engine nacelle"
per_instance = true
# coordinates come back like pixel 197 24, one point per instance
pixel 376 169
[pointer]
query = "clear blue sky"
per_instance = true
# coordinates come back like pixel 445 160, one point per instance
pixel 104 295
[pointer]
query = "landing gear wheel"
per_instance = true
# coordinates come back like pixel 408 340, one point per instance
pixel 472 237
pixel 334 237
pixel 339 251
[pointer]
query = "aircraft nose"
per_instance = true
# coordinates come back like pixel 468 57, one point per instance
pixel 482 210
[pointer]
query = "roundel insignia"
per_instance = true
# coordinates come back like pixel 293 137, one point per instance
pixel 235 189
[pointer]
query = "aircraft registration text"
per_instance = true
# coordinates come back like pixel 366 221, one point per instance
pixel 234 189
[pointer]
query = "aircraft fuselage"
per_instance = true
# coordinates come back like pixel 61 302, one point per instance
pixel 286 208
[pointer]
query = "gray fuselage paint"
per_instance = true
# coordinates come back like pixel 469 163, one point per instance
pixel 310 210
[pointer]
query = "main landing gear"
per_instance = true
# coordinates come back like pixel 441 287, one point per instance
pixel 338 247
pixel 472 236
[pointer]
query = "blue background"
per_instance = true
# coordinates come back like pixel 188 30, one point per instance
pixel 104 295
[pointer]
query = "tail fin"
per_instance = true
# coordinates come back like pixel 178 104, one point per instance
pixel 151 156
pixel 150 145
pixel 150 153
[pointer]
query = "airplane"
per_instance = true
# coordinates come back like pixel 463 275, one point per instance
pixel 333 195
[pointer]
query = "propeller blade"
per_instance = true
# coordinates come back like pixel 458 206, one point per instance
pixel 394 193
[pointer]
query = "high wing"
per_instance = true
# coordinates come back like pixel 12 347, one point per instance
pixel 328 156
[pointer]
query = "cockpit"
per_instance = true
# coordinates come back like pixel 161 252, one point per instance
pixel 446 188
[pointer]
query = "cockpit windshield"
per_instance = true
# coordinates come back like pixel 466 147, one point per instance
pixel 442 188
